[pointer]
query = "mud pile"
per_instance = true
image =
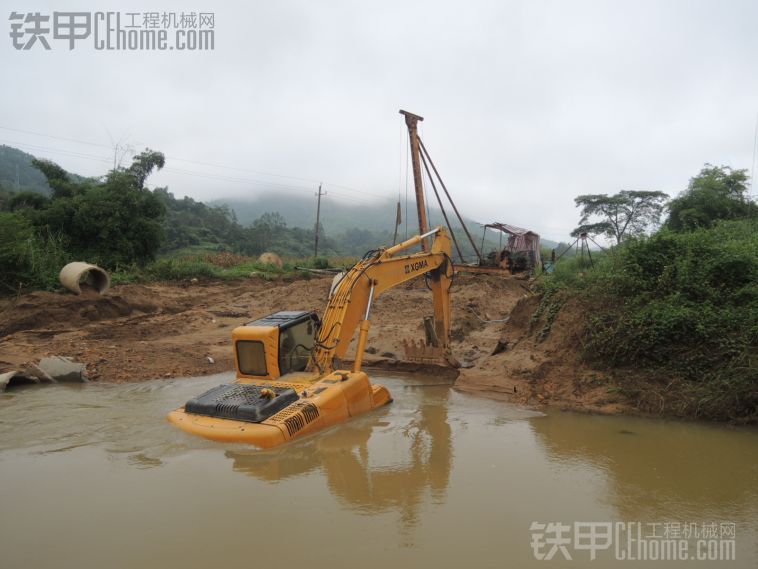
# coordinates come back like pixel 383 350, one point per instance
pixel 54 311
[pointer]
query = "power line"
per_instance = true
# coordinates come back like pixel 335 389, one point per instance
pixel 55 137
pixel 262 184
pixel 259 183
pixel 57 151
pixel 407 158
pixel 197 162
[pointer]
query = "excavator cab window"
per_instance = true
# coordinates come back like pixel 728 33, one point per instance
pixel 251 357
pixel 295 345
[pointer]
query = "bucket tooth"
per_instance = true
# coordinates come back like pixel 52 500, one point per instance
pixel 417 351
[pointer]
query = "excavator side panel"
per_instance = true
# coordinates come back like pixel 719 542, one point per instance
pixel 325 403
pixel 328 402
pixel 358 395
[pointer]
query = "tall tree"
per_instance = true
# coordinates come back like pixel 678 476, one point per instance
pixel 717 192
pixel 58 179
pixel 621 215
pixel 114 222
pixel 143 164
pixel 268 228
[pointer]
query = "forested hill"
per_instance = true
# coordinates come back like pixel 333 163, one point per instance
pixel 18 174
pixel 282 222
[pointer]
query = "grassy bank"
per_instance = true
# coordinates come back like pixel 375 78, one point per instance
pixel 674 317
pixel 222 266
pixel 38 262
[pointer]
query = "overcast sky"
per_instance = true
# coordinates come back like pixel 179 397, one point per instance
pixel 526 104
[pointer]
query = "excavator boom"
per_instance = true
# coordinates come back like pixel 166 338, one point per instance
pixel 351 299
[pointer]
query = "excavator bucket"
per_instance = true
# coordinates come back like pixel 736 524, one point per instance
pixel 429 351
pixel 418 352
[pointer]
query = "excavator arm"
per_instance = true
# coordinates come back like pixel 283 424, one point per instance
pixel 350 303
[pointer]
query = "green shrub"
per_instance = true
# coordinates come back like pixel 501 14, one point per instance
pixel 15 234
pixel 180 269
pixel 47 254
pixel 682 307
pixel 28 258
pixel 320 263
pixel 189 266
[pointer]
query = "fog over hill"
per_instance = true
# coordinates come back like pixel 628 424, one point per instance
pixel 17 173
pixel 337 215
pixel 350 225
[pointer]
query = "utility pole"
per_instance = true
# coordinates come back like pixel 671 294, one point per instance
pixel 318 218
pixel 411 122
pixel 17 184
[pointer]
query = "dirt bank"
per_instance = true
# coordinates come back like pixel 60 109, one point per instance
pixel 140 332
pixel 531 368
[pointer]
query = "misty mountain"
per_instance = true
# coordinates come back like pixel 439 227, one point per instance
pixel 17 174
pixel 349 228
pixel 300 211
pixel 338 216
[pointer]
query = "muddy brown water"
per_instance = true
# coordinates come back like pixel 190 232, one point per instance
pixel 93 476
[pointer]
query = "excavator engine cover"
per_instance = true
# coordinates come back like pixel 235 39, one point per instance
pixel 250 403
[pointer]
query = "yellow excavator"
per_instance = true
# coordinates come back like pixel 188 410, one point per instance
pixel 289 383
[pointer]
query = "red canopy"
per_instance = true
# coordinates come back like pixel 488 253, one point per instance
pixel 520 240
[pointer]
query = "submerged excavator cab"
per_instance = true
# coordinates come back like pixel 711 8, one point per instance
pixel 276 345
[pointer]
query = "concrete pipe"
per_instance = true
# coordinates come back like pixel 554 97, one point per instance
pixel 72 274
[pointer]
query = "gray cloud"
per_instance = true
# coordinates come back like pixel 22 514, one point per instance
pixel 527 104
